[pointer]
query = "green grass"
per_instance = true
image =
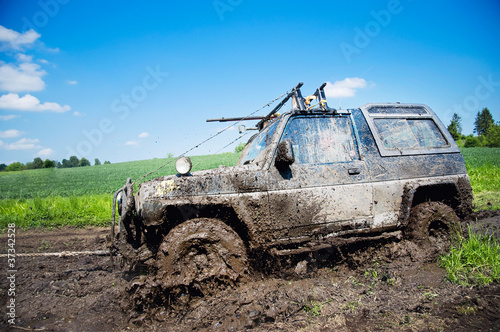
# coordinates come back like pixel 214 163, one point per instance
pixel 473 261
pixel 483 166
pixel 102 179
pixel 57 211
pixel 80 196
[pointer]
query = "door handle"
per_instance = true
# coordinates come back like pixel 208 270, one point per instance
pixel 354 171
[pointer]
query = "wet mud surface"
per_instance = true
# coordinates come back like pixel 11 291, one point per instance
pixel 386 285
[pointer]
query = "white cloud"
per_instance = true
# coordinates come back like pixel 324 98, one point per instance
pixel 53 50
pixel 72 82
pixel 132 143
pixel 10 133
pixel 45 153
pixel 30 103
pixel 24 58
pixel 8 117
pixel 24 144
pixel 344 89
pixel 143 135
pixel 25 77
pixel 15 39
pixel 76 113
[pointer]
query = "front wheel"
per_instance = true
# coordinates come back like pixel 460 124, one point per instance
pixel 202 254
pixel 433 225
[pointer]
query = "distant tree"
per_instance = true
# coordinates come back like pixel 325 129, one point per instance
pixel 59 165
pixel 492 136
pixel 484 120
pixel 49 164
pixel 29 165
pixel 84 162
pixel 455 127
pixel 240 148
pixel 37 163
pixel 107 162
pixel 472 142
pixel 2 167
pixel 73 161
pixel 97 162
pixel 17 166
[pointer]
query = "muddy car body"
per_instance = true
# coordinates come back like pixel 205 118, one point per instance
pixel 311 178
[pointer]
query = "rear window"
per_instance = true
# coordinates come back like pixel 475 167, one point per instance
pixel 409 134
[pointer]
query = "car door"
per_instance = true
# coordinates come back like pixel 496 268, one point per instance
pixel 327 189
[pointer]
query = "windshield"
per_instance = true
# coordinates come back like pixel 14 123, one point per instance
pixel 321 140
pixel 259 144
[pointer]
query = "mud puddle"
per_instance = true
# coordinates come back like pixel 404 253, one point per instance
pixel 383 286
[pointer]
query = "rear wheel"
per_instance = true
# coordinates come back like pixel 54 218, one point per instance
pixel 433 225
pixel 203 255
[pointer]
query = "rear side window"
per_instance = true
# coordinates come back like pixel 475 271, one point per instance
pixel 407 129
pixel 404 134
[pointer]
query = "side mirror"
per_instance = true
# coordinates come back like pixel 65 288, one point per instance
pixel 285 156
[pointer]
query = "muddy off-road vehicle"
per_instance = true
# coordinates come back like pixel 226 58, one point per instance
pixel 311 178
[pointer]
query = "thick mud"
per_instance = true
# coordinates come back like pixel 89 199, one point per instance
pixel 385 285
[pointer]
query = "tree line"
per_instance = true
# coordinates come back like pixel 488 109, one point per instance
pixel 486 130
pixel 38 163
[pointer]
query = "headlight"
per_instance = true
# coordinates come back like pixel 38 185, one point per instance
pixel 183 165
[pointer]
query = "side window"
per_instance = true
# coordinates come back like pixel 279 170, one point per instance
pixel 321 140
pixel 259 143
pixel 409 134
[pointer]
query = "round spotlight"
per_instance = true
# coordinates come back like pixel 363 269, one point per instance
pixel 183 165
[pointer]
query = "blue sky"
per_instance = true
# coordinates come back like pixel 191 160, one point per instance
pixel 128 80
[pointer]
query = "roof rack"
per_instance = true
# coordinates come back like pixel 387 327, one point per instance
pixel 299 103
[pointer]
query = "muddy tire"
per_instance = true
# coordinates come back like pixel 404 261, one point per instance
pixel 433 225
pixel 202 255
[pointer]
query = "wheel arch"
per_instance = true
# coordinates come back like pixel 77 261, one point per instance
pixel 447 193
pixel 178 214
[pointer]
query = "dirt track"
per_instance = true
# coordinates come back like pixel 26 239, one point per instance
pixel 378 286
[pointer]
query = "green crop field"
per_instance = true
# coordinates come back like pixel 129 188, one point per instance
pixel 102 179
pixel 483 166
pixel 83 196
pixel 80 196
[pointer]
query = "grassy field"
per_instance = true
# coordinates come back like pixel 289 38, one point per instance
pixel 102 179
pixel 83 196
pixel 483 166
pixel 80 196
